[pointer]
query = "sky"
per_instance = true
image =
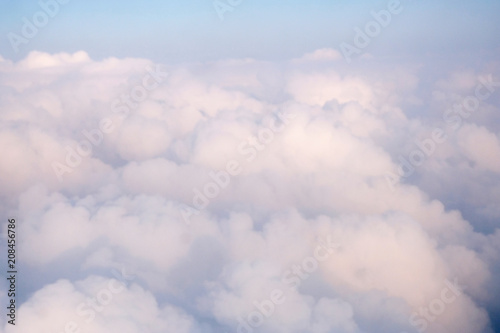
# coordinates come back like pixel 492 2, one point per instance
pixel 243 166
pixel 191 30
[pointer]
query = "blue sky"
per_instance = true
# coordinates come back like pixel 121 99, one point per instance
pixel 192 30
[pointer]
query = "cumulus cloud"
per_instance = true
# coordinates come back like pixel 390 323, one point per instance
pixel 217 185
pixel 99 305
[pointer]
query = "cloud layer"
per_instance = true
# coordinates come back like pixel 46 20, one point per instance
pixel 215 183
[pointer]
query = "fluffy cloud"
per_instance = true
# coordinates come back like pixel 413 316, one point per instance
pixel 99 305
pixel 217 188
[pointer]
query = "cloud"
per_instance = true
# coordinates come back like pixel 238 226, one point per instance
pixel 99 305
pixel 480 146
pixel 313 144
pixel 320 55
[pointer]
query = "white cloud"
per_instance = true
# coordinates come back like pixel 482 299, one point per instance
pixel 323 173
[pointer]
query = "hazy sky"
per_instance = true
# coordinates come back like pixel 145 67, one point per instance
pixel 191 29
